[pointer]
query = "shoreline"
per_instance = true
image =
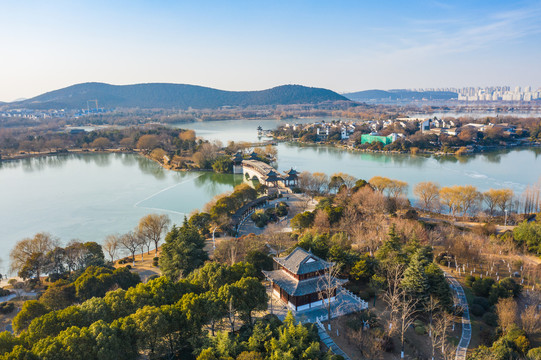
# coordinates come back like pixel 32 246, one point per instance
pixel 485 150
pixel 439 153
pixel 85 151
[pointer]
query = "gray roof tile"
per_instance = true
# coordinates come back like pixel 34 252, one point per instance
pixel 301 262
pixel 298 288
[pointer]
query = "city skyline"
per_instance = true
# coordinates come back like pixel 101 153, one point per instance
pixel 345 47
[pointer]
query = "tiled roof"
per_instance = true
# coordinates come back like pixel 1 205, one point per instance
pixel 299 288
pixel 291 172
pixel 301 262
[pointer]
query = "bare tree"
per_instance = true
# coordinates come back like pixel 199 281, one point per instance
pixel 428 194
pixel 530 319
pixel 393 294
pixel 152 227
pixel 506 309
pixel 327 287
pixel 277 239
pixel 401 307
pixel 406 311
pixel 442 325
pixel 111 245
pixel 369 342
pixel 131 242
pixel 432 306
pixel 397 188
pixel 30 253
pixel 143 242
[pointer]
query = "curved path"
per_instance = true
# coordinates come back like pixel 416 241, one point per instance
pixel 462 347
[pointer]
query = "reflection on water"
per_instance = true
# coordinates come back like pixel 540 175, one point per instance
pixel 213 181
pixel 149 167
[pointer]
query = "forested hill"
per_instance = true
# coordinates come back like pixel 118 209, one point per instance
pixel 400 95
pixel 162 95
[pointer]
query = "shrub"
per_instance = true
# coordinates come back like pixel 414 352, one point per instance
pixel 482 301
pixel 4 292
pixel 420 330
pixel 482 287
pixel 281 209
pixel 128 267
pixel 469 280
pixel 411 215
pixel 6 307
pixel 535 354
pixel 477 310
pixel 522 343
pixel 152 277
pixel 155 261
pixel 490 319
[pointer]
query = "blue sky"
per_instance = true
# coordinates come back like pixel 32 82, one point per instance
pixel 245 45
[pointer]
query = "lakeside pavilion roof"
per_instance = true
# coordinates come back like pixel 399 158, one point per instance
pixel 272 176
pixel 300 261
pixel 292 172
pixel 291 175
pixel 295 287
pixel 254 156
pixel 237 158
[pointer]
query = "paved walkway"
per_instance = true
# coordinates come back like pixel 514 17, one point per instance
pixel 328 341
pixel 14 295
pixel 293 200
pixel 462 347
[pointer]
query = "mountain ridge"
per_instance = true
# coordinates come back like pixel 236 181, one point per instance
pixel 169 95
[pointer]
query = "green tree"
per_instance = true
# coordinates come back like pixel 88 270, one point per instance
pixel 182 252
pixel 528 234
pixel 438 286
pixel 303 220
pixel 260 260
pixel 8 341
pixel 31 309
pixel 415 282
pixel 251 296
pixel 59 295
pixel 223 164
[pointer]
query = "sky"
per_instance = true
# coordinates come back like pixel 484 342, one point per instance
pixel 248 45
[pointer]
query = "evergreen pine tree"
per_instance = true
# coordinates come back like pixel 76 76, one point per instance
pixel 415 281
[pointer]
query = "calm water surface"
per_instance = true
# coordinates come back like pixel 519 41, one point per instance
pixel 92 195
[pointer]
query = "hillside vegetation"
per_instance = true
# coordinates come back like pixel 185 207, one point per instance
pixel 181 96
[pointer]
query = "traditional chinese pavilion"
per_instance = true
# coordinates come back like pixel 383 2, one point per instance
pixel 298 280
pixel 291 178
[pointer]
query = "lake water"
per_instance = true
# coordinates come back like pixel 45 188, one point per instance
pixel 92 195
pixel 514 169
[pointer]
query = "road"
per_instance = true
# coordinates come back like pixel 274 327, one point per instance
pixel 462 347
